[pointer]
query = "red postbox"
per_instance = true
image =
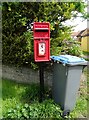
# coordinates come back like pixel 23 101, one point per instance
pixel 41 41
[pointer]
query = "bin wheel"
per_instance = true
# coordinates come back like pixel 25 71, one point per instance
pixel 66 114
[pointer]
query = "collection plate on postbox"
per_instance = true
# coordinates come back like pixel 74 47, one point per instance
pixel 41 31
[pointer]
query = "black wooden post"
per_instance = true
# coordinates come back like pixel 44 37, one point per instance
pixel 41 76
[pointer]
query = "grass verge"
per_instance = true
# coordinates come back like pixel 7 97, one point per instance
pixel 21 101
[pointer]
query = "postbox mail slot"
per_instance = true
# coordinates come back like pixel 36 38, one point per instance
pixel 41 38
pixel 41 29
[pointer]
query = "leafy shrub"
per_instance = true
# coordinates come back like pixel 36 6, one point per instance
pixel 75 50
pixel 47 109
pixel 72 47
pixel 55 51
pixel 18 50
pixel 17 41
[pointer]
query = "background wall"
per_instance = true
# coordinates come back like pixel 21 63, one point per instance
pixel 26 75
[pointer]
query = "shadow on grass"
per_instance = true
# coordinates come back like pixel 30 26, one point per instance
pixel 32 93
pixel 26 93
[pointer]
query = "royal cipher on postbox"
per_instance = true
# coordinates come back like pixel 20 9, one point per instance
pixel 41 33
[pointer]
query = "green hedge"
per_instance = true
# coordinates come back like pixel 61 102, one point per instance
pixel 18 42
pixel 18 50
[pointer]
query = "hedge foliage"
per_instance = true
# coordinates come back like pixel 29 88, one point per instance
pixel 16 23
pixel 18 49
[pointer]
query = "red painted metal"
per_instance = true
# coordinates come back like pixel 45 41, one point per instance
pixel 41 33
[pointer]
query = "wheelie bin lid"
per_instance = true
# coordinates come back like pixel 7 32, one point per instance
pixel 69 60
